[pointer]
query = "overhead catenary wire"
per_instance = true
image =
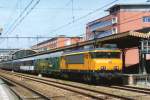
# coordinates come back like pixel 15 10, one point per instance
pixel 80 34
pixel 129 21
pixel 76 35
pixel 82 17
pixel 75 20
pixel 73 17
pixel 10 16
pixel 20 15
pixel 23 37
pixel 18 21
pixel 28 12
pixel 60 26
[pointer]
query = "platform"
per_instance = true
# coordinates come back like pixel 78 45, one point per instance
pixel 6 93
pixel 136 79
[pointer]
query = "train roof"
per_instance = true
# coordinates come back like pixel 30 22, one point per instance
pixel 58 54
pixel 36 57
pixel 91 50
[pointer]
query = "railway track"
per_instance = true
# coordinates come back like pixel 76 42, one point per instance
pixel 73 88
pixel 134 89
pixel 22 92
pixel 29 90
pixel 128 88
pixel 100 94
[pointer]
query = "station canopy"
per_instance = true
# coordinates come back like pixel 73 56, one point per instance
pixel 123 40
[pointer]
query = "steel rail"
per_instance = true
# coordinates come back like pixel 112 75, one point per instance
pixel 25 86
pixel 134 89
pixel 47 81
pixel 79 92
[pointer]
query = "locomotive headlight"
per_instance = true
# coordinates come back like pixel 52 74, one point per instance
pixel 116 67
pixel 103 68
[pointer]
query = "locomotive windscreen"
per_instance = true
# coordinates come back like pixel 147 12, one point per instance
pixel 105 54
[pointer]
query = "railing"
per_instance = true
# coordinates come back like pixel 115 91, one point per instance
pixel 101 34
pixel 100 25
pixel 142 80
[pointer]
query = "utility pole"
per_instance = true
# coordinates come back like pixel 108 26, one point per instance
pixel 144 49
pixel 1 30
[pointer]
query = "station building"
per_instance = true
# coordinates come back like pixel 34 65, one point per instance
pixel 121 18
pixel 56 42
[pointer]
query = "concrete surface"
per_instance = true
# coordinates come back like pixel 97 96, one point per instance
pixel 6 93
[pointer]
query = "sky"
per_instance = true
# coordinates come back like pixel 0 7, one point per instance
pixel 49 18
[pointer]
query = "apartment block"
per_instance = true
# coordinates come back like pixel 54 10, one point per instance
pixel 121 18
pixel 56 42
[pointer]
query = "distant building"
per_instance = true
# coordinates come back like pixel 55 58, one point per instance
pixel 56 42
pixel 6 54
pixel 121 18
pixel 22 53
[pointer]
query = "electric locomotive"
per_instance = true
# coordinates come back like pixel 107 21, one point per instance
pixel 92 64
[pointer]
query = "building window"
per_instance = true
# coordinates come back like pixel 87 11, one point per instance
pixel 146 19
pixel 114 20
pixel 114 30
pixel 100 24
pixel 103 34
pixel 68 42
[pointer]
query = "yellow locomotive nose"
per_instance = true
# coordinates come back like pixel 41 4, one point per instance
pixel 108 64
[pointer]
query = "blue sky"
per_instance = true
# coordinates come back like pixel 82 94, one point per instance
pixel 47 16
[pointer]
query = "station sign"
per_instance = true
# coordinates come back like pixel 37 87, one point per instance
pixel 145 46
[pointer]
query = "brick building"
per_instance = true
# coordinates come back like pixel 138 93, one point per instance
pixel 56 42
pixel 121 18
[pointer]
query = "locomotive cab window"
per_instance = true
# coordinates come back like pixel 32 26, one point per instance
pixel 75 59
pixel 105 54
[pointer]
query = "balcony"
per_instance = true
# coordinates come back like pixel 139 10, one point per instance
pixel 103 34
pixel 100 34
pixel 98 25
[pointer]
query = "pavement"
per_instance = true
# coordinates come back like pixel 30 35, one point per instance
pixel 6 93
